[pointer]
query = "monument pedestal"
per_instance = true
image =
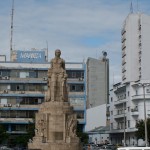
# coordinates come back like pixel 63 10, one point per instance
pixel 55 128
pixel 56 123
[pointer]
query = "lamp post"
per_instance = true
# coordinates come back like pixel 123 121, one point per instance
pixel 124 125
pixel 145 119
pixel 124 135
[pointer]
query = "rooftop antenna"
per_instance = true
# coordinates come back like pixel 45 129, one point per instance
pixel 131 8
pixel 104 55
pixel 11 32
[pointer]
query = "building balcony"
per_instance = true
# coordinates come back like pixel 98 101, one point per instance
pixel 18 107
pixel 123 46
pixel 78 108
pixel 123 54
pixel 148 112
pixel 123 39
pixel 108 113
pixel 122 130
pixel 42 80
pixel 119 116
pixel 76 94
pixel 81 121
pixel 118 102
pixel 123 31
pixel 140 97
pixel 22 93
pixel 75 80
pixel 8 79
pixel 134 112
pixel 16 132
pixel 16 120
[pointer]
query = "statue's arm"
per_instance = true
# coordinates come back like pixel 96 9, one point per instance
pixel 51 62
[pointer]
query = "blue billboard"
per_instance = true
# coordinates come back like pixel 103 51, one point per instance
pixel 30 56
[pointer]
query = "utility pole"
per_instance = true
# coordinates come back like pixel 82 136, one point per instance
pixel 11 30
pixel 145 117
pixel 124 119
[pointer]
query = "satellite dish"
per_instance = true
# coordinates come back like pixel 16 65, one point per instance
pixel 104 53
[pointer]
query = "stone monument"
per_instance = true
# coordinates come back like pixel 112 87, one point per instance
pixel 55 122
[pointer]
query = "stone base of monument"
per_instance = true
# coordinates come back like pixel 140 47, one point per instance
pixel 56 146
pixel 55 128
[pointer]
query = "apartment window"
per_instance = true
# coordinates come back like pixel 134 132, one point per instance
pixel 76 88
pixel 128 109
pixel 4 73
pixel 32 75
pixel 111 125
pixel 19 88
pixel 80 115
pixel 111 112
pixel 128 93
pixel 128 123
pixel 136 92
pixel 111 99
pixel 72 88
pixel 82 74
pixel 73 74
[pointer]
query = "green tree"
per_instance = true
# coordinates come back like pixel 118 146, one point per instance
pixel 82 135
pixel 140 133
pixel 3 135
pixel 22 140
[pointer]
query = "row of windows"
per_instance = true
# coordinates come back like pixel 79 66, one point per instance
pixel 38 87
pixel 21 100
pixel 27 114
pixel 37 74
pixel 17 114
pixel 36 101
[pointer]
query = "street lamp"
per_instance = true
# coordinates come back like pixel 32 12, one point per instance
pixel 124 142
pixel 145 119
pixel 124 124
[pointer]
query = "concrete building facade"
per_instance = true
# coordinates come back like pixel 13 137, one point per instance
pixel 97 87
pixel 22 89
pixel 23 83
pixel 135 48
pixel 126 102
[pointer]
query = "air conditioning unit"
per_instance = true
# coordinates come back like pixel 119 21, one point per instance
pixel 80 79
pixel 6 78
pixel 5 105
pixel 17 105
pixel 9 105
pixel 45 78
pixel 22 92
pixel 5 91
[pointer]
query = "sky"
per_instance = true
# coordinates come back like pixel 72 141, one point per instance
pixel 79 28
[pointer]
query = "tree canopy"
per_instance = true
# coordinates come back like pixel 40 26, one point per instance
pixel 140 125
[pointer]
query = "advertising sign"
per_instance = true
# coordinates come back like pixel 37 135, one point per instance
pixel 31 56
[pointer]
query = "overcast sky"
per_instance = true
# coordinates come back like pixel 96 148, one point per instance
pixel 79 28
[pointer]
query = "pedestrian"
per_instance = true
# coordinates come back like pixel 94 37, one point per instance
pixel 89 147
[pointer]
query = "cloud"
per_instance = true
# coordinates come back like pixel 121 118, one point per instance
pixel 80 29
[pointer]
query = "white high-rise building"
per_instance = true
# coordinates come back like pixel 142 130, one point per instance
pixel 126 103
pixel 136 48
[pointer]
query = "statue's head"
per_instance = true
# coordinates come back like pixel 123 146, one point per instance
pixel 57 52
